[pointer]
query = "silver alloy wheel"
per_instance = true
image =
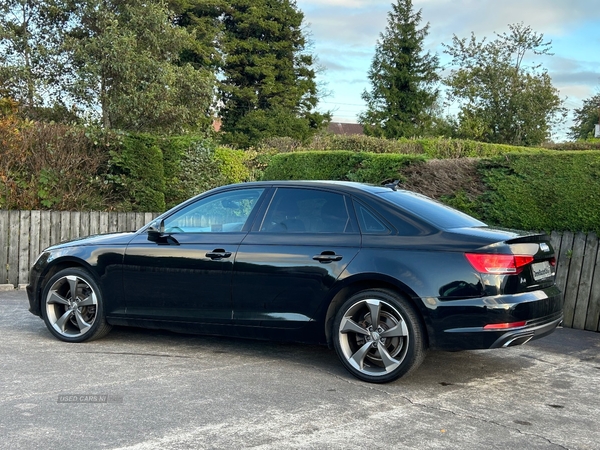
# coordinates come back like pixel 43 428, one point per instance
pixel 71 306
pixel 373 347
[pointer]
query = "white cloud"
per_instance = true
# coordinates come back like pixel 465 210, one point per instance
pixel 351 20
pixel 484 16
pixel 575 94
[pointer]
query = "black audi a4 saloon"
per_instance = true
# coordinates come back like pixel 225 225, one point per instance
pixel 377 273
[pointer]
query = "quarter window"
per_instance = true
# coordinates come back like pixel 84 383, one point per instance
pixel 369 224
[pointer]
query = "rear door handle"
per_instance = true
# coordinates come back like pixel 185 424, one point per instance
pixel 327 257
pixel 218 253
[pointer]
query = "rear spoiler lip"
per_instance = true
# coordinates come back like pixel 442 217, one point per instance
pixel 522 245
pixel 508 241
pixel 503 235
pixel 532 237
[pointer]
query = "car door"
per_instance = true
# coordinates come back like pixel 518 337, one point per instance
pixel 287 264
pixel 184 271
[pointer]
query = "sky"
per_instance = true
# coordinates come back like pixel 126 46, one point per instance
pixel 345 33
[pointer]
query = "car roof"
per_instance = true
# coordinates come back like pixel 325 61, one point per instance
pixel 347 186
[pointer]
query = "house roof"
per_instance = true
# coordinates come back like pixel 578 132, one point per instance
pixel 345 128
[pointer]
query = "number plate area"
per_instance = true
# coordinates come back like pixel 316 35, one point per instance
pixel 541 270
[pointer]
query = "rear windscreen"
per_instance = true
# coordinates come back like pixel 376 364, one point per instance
pixel 430 210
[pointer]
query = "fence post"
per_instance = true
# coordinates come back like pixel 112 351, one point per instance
pixel 4 227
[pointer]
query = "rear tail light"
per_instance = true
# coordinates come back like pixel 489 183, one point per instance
pixel 497 264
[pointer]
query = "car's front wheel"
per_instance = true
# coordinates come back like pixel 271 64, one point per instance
pixel 378 336
pixel 73 307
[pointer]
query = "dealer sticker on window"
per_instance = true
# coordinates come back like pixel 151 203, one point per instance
pixel 541 270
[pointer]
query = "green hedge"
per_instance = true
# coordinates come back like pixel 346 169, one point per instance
pixel 232 165
pixel 543 191
pixel 190 167
pixel 151 173
pixel 588 144
pixel 431 147
pixel 527 188
pixel 460 148
pixel 311 166
pixel 535 190
pixel 362 143
pixel 137 171
pixel 339 165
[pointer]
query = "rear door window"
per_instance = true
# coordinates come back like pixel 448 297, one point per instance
pixel 297 210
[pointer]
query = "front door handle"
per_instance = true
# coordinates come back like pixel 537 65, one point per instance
pixel 218 253
pixel 327 257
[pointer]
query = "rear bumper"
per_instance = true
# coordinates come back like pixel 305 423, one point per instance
pixel 527 333
pixel 460 324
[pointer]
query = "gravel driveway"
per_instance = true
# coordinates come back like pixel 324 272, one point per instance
pixel 139 389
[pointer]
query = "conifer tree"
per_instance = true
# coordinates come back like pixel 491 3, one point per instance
pixel 202 18
pixel 403 78
pixel 268 86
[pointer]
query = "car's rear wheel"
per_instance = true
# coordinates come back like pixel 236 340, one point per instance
pixel 73 307
pixel 378 336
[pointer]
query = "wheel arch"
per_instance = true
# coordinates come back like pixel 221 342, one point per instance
pixel 56 266
pixel 373 281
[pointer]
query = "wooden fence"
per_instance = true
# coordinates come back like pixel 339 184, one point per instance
pixel 23 234
pixel 578 277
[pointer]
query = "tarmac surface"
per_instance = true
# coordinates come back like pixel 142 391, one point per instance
pixel 139 389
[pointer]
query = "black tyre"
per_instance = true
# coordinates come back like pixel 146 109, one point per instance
pixel 380 350
pixel 72 306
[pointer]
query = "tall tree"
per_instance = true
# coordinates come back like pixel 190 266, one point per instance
pixel 202 18
pixel 127 68
pixel 586 118
pixel 503 100
pixel 403 78
pixel 268 86
pixel 30 51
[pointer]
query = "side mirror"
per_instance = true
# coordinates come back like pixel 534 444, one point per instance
pixel 156 234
